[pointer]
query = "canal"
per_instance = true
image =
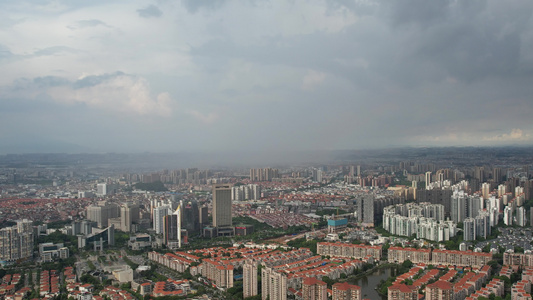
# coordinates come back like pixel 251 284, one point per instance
pixel 370 282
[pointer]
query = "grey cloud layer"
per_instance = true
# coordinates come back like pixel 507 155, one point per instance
pixel 151 11
pixel 265 74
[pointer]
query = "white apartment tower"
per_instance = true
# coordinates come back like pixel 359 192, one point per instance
pixel 159 215
pixel 250 279
pixel 428 180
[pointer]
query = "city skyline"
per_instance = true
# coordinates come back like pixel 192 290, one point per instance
pixel 162 76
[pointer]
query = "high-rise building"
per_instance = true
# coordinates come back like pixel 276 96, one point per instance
pixel 317 175
pixel 428 179
pixel 314 289
pixel 508 216
pixel 190 217
pixel 170 232
pixel 249 279
pixel 469 229
pixel 521 216
pixel 102 214
pixel 479 174
pixel 483 224
pixel 266 174
pixel 129 214
pixel 16 242
pixel 497 175
pixel 158 217
pixel 365 209
pixel 485 190
pixel 273 285
pixel 203 215
pixel 222 205
pixel 101 189
pixel 458 206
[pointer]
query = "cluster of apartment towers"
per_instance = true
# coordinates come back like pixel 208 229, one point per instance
pixel 448 205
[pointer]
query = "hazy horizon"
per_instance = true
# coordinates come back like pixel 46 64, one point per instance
pixel 262 76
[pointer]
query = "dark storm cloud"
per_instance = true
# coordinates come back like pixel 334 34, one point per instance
pixel 471 40
pixel 151 11
pixel 419 41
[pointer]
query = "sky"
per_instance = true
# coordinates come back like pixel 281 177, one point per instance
pixel 198 75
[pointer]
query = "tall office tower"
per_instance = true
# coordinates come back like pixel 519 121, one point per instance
pixel 94 213
pixel 485 190
pixel 352 171
pixel 249 279
pixel 102 214
pixel 170 232
pixel 314 289
pixel 273 285
pixel 16 242
pixel 508 216
pixel 203 216
pixel 129 214
pixel 526 171
pixel 358 170
pixel 428 180
pixel 190 217
pixel 497 175
pixel 365 209
pixel 521 216
pixel 469 229
pixel 159 215
pixel 222 205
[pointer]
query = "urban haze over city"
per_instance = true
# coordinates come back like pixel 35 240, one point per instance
pixel 342 149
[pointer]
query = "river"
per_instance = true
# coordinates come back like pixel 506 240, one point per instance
pixel 369 283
